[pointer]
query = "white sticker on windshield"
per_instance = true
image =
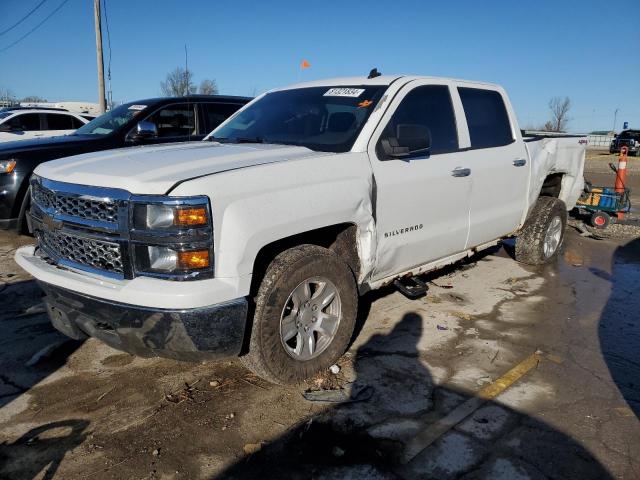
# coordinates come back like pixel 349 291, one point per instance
pixel 344 92
pixel 137 107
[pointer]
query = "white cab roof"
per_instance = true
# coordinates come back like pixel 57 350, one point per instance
pixel 381 80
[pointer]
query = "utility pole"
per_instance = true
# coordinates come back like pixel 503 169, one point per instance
pixel 98 22
pixel 615 117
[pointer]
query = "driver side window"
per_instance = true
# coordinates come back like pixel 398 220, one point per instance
pixel 175 120
pixel 424 109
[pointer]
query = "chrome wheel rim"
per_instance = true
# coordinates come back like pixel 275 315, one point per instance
pixel 552 237
pixel 310 318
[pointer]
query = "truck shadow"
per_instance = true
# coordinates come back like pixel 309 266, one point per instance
pixel 619 328
pixel 30 348
pixel 41 448
pixel 366 436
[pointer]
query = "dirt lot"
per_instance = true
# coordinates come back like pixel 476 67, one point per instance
pixel 500 371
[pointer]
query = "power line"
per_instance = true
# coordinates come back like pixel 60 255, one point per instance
pixel 23 18
pixel 34 28
pixel 106 21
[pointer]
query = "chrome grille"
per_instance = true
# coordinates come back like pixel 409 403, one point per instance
pixel 93 253
pixel 74 205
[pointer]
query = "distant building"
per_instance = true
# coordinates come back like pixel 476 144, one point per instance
pixel 7 103
pixel 76 107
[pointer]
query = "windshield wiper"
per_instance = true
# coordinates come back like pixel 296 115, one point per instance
pixel 236 139
pixel 217 139
pixel 249 140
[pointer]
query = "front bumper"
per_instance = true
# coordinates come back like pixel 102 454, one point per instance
pixel 211 332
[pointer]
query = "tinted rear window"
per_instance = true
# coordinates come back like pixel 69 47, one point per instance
pixel 216 113
pixel 58 121
pixel 486 117
pixel 629 134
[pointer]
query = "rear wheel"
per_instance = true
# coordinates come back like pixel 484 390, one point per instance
pixel 305 315
pixel 542 235
pixel 600 220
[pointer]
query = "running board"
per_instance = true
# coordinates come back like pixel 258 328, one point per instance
pixel 411 287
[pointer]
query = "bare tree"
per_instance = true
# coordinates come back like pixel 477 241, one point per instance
pixel 559 114
pixel 178 83
pixel 208 87
pixel 6 96
pixel 33 99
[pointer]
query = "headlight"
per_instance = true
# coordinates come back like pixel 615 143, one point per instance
pixel 172 237
pixel 159 216
pixel 7 166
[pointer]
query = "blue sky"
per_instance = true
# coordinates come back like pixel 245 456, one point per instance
pixel 536 50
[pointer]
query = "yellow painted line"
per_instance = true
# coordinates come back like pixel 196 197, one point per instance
pixel 498 386
pixel 624 412
pixel 555 358
pixel 435 430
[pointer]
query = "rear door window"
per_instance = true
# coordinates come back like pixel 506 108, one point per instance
pixel 76 123
pixel 177 120
pixel 59 121
pixel 487 117
pixel 28 122
pixel 216 113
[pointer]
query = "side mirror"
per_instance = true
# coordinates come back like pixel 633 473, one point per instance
pixel 615 135
pixel 410 140
pixel 145 130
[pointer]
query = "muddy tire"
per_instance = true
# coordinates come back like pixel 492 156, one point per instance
pixel 305 312
pixel 540 238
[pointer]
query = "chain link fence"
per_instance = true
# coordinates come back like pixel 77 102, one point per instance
pixel 599 142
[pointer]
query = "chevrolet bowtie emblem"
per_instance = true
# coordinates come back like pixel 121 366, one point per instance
pixel 51 224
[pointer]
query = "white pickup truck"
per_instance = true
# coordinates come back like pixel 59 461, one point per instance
pixel 257 241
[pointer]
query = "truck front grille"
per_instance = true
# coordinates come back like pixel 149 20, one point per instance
pixel 98 254
pixel 75 205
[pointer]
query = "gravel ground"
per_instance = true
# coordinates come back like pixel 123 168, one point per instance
pixel 597 161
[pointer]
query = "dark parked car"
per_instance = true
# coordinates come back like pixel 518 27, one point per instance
pixel 144 122
pixel 626 138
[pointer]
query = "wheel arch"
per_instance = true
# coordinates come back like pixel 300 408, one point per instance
pixel 552 185
pixel 341 238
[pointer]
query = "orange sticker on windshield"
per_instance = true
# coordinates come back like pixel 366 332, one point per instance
pixel 365 103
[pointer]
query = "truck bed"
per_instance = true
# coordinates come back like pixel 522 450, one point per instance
pixel 551 153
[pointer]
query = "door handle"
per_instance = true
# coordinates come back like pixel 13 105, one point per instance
pixel 461 172
pixel 519 162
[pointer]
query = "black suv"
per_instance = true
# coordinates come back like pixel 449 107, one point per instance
pixel 144 122
pixel 626 138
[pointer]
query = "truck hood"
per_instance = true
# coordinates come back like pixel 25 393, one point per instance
pixel 69 142
pixel 156 169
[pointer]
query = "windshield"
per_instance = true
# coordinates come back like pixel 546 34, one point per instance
pixel 634 134
pixel 112 120
pixel 320 118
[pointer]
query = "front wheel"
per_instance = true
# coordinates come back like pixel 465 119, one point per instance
pixel 304 317
pixel 542 235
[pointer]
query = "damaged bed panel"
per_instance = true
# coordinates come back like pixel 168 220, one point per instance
pixel 557 155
